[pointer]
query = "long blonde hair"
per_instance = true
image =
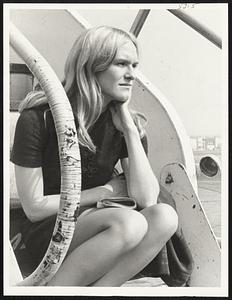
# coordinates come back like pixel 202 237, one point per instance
pixel 93 51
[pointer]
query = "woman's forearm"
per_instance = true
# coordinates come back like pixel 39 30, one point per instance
pixel 46 206
pixel 141 182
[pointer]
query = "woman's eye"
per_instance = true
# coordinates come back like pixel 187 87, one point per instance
pixel 124 64
pixel 121 63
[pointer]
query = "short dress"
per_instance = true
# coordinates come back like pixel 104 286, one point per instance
pixel 35 145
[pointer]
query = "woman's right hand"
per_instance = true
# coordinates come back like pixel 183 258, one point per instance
pixel 117 186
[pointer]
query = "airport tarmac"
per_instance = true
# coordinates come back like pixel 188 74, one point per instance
pixel 209 193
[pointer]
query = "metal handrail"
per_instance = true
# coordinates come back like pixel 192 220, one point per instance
pixel 70 161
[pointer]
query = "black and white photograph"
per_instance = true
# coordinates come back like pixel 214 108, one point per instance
pixel 116 149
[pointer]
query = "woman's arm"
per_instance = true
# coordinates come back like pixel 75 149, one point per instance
pixel 142 184
pixel 37 206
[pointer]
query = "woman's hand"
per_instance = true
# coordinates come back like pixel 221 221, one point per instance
pixel 117 186
pixel 121 116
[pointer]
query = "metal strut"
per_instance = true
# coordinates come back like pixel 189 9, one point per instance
pixel 139 21
pixel 196 25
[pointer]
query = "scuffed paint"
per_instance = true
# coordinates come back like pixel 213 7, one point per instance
pixel 183 195
pixel 58 236
pixel 70 133
pixel 169 179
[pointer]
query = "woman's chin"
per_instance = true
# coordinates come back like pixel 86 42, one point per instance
pixel 117 99
pixel 123 98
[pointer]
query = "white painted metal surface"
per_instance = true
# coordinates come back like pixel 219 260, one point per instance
pixel 196 228
pixel 168 140
pixel 15 275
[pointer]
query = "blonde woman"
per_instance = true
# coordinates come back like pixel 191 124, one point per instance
pixel 110 245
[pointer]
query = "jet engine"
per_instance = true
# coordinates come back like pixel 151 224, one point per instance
pixel 210 165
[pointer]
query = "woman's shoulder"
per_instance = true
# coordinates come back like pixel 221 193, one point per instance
pixel 33 117
pixel 35 111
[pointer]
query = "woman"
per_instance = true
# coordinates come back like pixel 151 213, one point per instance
pixel 110 245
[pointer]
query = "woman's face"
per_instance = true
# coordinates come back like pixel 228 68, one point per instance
pixel 117 80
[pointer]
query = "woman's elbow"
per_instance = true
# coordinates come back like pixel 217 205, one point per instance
pixel 32 215
pixel 149 197
pixel 32 212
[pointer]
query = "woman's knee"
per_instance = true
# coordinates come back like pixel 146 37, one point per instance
pixel 130 227
pixel 165 216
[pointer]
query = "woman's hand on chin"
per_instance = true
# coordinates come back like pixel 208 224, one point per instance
pixel 121 116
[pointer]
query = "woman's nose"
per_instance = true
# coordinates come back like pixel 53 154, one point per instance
pixel 130 74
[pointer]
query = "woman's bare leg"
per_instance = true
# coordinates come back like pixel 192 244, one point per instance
pixel 162 224
pixel 101 237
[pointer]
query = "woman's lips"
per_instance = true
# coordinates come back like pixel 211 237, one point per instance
pixel 125 84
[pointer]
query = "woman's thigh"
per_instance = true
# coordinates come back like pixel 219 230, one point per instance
pixel 94 221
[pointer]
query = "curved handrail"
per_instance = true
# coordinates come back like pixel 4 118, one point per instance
pixel 69 154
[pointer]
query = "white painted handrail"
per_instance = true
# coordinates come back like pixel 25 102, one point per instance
pixel 69 159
